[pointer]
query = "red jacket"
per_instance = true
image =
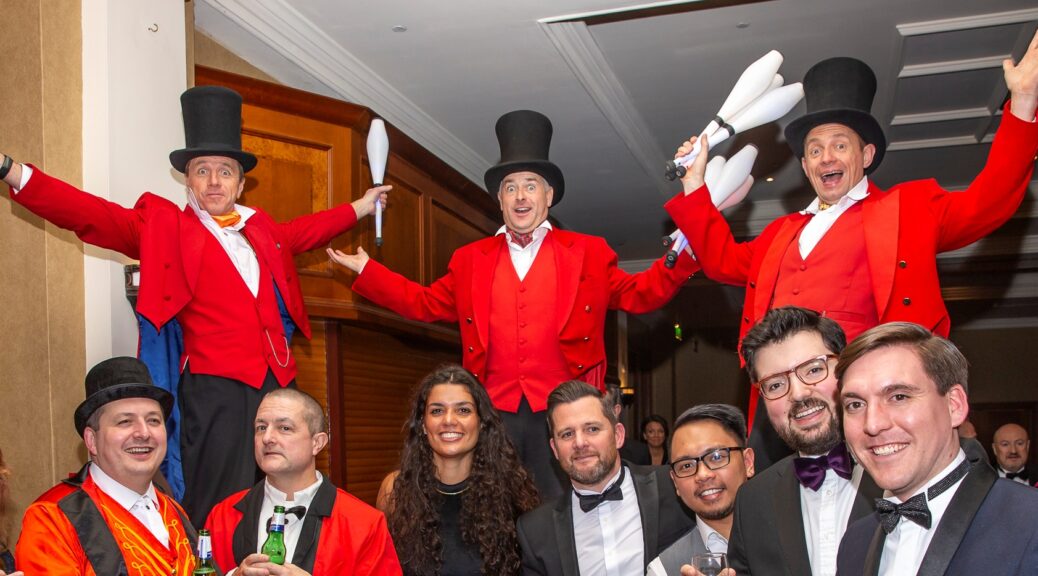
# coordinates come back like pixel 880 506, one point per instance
pixel 904 229
pixel 168 242
pixel 589 283
pixel 351 537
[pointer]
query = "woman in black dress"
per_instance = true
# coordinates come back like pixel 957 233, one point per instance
pixel 453 504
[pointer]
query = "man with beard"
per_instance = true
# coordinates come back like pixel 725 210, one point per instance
pixel 1011 446
pixel 614 517
pixel 709 462
pixel 789 520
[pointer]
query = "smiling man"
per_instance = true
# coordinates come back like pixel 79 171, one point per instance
pixel 789 520
pixel 327 531
pixel 109 518
pixel 613 517
pixel 1011 446
pixel 531 301
pixel 904 392
pixel 709 463
pixel 860 254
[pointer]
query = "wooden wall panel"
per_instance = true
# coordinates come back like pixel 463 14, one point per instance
pixel 312 362
pixel 379 371
pixel 447 231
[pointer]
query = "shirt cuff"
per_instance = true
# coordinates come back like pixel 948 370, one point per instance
pixel 26 174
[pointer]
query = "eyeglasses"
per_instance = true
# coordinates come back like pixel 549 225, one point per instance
pixel 715 460
pixel 810 372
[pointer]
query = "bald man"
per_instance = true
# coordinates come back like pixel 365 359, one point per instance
pixel 1011 446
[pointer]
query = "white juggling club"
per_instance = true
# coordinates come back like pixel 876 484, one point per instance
pixel 768 108
pixel 738 195
pixel 753 82
pixel 378 153
pixel 734 174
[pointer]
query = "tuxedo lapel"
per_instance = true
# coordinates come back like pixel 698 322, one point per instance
pixel 880 215
pixel 957 519
pixel 244 542
pixel 767 277
pixel 875 552
pixel 569 263
pixel 563 517
pixel 790 520
pixel 484 261
pixel 320 508
pixel 648 491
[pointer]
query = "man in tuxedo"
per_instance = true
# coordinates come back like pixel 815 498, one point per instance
pixel 613 518
pixel 327 530
pixel 904 392
pixel 789 519
pixel 1011 446
pixel 709 463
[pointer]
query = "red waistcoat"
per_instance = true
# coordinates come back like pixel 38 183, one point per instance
pixel 524 358
pixel 834 278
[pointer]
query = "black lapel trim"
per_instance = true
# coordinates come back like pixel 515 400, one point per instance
pixel 875 552
pixel 309 538
pixel 100 547
pixel 244 542
pixel 646 487
pixel 957 519
pixel 789 519
pixel 563 517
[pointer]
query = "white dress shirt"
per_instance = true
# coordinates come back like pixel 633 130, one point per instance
pixel 823 220
pixel 231 239
pixel 144 507
pixel 522 258
pixel 904 548
pixel 609 538
pixel 825 514
pixel 713 540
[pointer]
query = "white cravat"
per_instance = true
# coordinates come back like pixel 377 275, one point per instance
pixel 144 507
pixel 609 538
pixel 523 257
pixel 904 548
pixel 825 514
pixel 823 220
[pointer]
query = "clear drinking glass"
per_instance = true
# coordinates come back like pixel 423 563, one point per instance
pixel 711 563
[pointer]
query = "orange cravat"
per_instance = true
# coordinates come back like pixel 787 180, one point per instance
pixel 227 219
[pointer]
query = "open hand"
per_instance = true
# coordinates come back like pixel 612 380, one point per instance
pixel 355 262
pixel 1022 81
pixel 696 173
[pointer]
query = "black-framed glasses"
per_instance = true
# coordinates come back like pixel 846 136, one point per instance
pixel 714 459
pixel 810 372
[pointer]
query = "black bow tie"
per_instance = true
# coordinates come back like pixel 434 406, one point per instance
pixel 811 471
pixel 915 508
pixel 1022 474
pixel 299 512
pixel 589 502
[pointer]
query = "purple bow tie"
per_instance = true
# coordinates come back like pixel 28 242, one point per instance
pixel 811 471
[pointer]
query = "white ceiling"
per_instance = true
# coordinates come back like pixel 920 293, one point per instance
pixel 624 87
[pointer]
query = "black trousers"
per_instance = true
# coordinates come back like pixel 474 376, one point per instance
pixel 216 438
pixel 528 431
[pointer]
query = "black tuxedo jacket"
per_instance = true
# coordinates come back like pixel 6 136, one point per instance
pixel 989 528
pixel 546 533
pixel 768 529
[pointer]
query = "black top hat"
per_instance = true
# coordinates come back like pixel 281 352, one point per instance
pixel 115 379
pixel 839 91
pixel 524 137
pixel 212 126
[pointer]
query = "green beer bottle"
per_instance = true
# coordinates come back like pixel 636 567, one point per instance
pixel 275 544
pixel 204 561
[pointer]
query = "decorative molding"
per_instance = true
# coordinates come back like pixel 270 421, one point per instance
pixel 967 22
pixel 938 142
pixel 949 66
pixel 611 11
pixel 284 30
pixel 578 48
pixel 941 116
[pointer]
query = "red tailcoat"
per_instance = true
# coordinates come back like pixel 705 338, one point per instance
pixel 169 241
pixel 353 537
pixel 589 283
pixel 904 230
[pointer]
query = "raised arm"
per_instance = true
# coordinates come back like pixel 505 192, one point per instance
pixel 405 297
pixel 315 230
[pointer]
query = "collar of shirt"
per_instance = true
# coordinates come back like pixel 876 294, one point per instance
pixel 712 539
pixel 939 504
pixel 121 494
pixel 859 192
pixel 244 211
pixel 538 234
pixel 602 491
pixel 303 497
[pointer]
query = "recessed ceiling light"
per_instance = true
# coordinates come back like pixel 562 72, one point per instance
pixel 743 25
pixel 399 28
pixel 769 179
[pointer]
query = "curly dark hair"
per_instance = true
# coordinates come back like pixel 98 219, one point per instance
pixel 500 489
